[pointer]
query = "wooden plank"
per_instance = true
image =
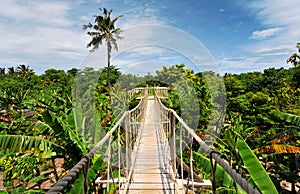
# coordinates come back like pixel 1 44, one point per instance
pixel 113 180
pixel 151 178
pixel 151 186
pixel 153 192
pixel 150 173
pixel 204 183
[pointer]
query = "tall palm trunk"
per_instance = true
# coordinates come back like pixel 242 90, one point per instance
pixel 108 65
pixel 108 69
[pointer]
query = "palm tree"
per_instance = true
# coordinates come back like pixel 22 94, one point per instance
pixel 104 30
pixel 11 70
pixel 2 71
pixel 23 69
pixel 295 58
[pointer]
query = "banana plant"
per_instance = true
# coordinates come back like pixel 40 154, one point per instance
pixel 256 171
pixel 18 143
pixel 63 130
pixel 59 138
pixel 233 147
pixel 281 144
pixel 287 117
pixel 224 181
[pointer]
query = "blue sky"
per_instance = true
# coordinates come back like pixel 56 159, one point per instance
pixel 239 35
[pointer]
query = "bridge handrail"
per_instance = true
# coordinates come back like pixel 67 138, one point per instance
pixel 213 154
pixel 142 105
pixel 83 164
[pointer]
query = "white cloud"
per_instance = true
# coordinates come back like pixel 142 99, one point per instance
pixel 42 12
pixel 42 32
pixel 39 32
pixel 85 19
pixel 159 42
pixel 277 13
pixel 170 58
pixel 269 49
pixel 264 34
pixel 147 50
pixel 140 14
pixel 140 67
pixel 274 44
pixel 240 64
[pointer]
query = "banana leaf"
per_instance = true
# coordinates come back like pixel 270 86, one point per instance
pixel 78 186
pixel 287 117
pixel 255 169
pixel 222 178
pixel 277 148
pixel 23 143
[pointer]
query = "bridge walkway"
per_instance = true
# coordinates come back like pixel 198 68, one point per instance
pixel 151 173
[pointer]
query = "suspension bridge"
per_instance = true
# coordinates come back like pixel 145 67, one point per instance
pixel 145 152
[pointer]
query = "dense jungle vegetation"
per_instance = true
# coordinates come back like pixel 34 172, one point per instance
pixel 48 122
pixel 39 121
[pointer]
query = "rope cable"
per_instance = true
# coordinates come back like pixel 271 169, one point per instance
pixel 84 163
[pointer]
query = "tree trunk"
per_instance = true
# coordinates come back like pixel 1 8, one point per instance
pixel 108 64
pixel 108 70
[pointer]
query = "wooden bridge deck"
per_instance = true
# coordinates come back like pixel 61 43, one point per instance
pixel 151 173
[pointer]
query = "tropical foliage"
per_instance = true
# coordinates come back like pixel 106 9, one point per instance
pixel 40 124
pixel 60 115
pixel 41 121
pixel 260 134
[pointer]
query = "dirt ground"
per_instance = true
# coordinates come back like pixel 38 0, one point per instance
pixel 47 182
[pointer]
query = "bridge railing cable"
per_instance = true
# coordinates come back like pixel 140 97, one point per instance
pixel 136 119
pixel 186 134
pixel 130 123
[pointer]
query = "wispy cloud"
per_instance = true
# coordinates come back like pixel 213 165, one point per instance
pixel 274 44
pixel 276 13
pixel 138 13
pixel 264 34
pixel 245 63
pixel 270 49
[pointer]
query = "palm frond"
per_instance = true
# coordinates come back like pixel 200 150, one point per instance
pixel 89 25
pixel 114 43
pixel 117 32
pixel 93 33
pixel 112 23
pixel 104 30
